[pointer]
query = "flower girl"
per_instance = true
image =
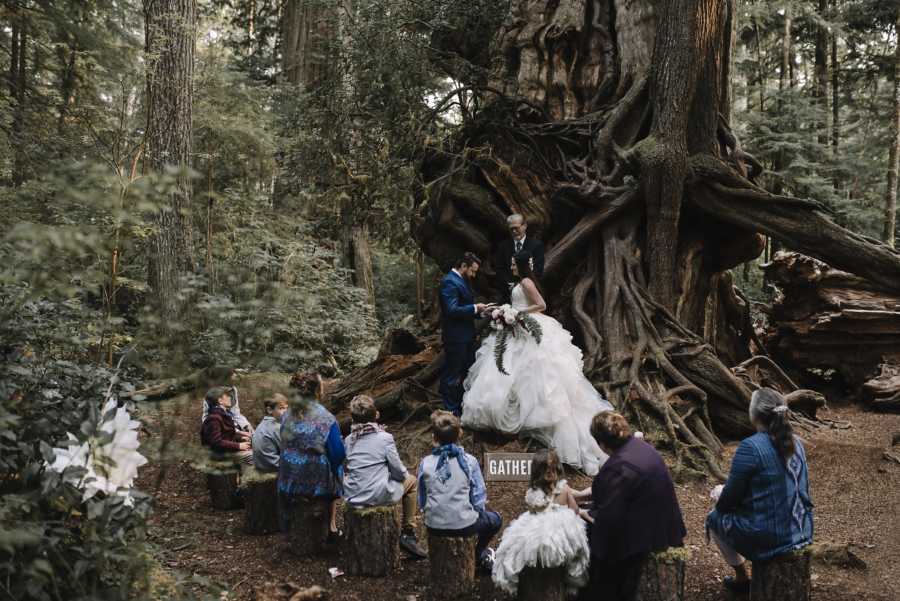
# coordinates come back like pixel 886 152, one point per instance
pixel 549 535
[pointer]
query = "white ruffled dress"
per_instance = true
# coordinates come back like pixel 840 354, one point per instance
pixel 548 535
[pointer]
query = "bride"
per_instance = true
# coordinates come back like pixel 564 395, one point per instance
pixel 545 395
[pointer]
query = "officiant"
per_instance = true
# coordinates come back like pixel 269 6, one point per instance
pixel 519 240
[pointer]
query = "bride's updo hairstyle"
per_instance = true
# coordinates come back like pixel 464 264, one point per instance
pixel 524 265
pixel 546 471
pixel 769 409
pixel 610 429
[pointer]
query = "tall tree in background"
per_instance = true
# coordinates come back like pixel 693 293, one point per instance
pixel 821 71
pixel 312 40
pixel 171 27
pixel 890 204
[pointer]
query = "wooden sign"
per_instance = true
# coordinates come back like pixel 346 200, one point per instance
pixel 507 467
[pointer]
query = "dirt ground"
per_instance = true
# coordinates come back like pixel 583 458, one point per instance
pixel 856 493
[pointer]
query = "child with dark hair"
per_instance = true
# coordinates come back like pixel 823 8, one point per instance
pixel 266 439
pixel 548 535
pixel 764 509
pixel 218 431
pixel 452 493
pixel 373 472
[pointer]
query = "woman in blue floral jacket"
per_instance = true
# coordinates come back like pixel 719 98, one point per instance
pixel 764 509
pixel 312 453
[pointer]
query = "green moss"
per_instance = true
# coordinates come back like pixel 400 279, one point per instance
pixel 376 510
pixel 672 554
pixel 251 475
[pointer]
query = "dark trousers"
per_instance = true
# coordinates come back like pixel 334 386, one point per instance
pixel 485 527
pixel 613 580
pixel 458 358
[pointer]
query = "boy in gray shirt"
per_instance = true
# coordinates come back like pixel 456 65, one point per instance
pixel 373 472
pixel 266 441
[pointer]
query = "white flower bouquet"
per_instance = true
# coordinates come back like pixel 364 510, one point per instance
pixel 506 322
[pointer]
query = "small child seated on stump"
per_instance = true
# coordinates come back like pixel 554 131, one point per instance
pixel 549 535
pixel 219 432
pixel 452 493
pixel 266 439
pixel 373 472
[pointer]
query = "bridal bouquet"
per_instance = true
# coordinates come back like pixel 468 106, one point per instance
pixel 507 322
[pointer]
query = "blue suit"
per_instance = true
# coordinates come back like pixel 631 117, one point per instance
pixel 458 335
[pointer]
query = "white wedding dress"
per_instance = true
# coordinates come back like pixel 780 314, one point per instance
pixel 545 395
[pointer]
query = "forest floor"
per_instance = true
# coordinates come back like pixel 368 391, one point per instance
pixel 856 493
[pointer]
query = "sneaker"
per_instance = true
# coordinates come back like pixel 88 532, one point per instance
pixel 486 561
pixel 409 544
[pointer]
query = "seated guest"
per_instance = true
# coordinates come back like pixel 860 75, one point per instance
pixel 635 511
pixel 373 472
pixel 451 490
pixel 266 440
pixel 764 508
pixel 218 431
pixel 241 423
pixel 312 452
pixel 549 535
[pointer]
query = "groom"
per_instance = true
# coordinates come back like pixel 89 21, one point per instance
pixel 458 313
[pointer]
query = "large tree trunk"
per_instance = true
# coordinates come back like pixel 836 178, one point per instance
pixel 171 27
pixel 890 203
pixel 821 70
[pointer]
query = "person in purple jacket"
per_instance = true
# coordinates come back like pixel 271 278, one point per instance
pixel 635 511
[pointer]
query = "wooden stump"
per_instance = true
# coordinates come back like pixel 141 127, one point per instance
pixel 222 488
pixel 308 521
pixel 662 576
pixel 373 540
pixel 260 494
pixel 784 577
pixel 452 566
pixel 542 584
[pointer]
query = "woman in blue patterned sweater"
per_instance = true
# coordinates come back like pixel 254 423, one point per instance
pixel 312 452
pixel 764 509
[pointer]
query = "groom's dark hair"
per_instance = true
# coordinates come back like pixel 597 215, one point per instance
pixel 467 259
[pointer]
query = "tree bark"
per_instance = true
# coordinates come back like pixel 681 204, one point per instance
pixel 662 578
pixel 360 260
pixel 542 584
pixel 260 493
pixel 835 96
pixel 171 27
pixel 451 560
pixel 373 534
pixel 783 577
pixel 305 35
pixel 19 79
pixel 821 71
pixel 890 201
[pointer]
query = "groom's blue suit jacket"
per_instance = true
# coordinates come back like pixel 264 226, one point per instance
pixel 457 310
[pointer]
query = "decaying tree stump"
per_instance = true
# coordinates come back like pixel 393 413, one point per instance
pixel 662 576
pixel 307 524
pixel 542 584
pixel 452 566
pixel 373 540
pixel 784 577
pixel 260 495
pixel 288 591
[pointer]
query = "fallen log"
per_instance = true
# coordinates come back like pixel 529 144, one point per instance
pixel 831 325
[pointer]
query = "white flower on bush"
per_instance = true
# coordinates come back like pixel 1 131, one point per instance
pixel 111 464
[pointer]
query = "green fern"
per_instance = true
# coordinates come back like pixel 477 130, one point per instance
pixel 532 326
pixel 500 349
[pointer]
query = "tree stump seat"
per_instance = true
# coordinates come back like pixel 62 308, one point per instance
pixel 373 539
pixel 662 576
pixel 542 584
pixel 260 495
pixel 222 484
pixel 307 524
pixel 451 562
pixel 785 576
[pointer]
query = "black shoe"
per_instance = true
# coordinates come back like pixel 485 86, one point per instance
pixel 736 586
pixel 334 536
pixel 486 561
pixel 409 544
